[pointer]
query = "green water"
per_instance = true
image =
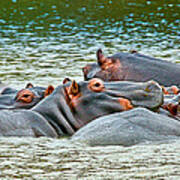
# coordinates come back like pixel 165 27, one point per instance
pixel 44 41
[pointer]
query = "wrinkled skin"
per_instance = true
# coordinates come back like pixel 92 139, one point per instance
pixel 23 99
pixel 72 105
pixel 128 128
pixel 133 67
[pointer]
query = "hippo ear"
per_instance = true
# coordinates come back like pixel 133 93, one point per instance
pixel 99 53
pixel 74 88
pixel 29 85
pixel 66 80
pixel 49 90
pixel 100 57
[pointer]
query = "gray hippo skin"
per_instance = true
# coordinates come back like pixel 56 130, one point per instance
pixel 129 128
pixel 133 67
pixel 72 105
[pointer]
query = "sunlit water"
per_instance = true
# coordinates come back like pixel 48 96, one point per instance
pixel 45 41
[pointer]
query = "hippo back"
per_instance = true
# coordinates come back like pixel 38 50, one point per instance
pixel 129 128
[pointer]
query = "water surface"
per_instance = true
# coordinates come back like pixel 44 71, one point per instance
pixel 44 41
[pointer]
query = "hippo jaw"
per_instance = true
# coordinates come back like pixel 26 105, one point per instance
pixel 56 111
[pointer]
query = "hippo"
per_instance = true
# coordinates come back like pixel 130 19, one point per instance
pixel 136 126
pixel 133 67
pixel 25 98
pixel 72 105
pixel 172 105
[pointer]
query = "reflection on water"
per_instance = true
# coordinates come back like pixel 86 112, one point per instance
pixel 45 41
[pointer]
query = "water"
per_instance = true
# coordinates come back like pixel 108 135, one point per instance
pixel 45 158
pixel 44 41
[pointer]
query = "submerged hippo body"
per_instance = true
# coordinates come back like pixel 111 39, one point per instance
pixel 133 67
pixel 26 98
pixel 128 128
pixel 72 105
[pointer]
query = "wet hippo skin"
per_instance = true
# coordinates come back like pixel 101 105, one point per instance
pixel 25 98
pixel 128 128
pixel 72 105
pixel 133 67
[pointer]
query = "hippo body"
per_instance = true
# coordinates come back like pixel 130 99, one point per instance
pixel 133 67
pixel 72 105
pixel 24 123
pixel 128 128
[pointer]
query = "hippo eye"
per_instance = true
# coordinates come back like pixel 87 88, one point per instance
pixel 26 95
pixel 96 85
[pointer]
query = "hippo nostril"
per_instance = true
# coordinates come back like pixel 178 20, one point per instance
pixel 151 86
pixel 148 89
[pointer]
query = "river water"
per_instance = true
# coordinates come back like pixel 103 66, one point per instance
pixel 44 41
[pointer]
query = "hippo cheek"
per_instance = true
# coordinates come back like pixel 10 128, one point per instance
pixel 103 75
pixel 26 105
pixel 89 108
pixel 18 105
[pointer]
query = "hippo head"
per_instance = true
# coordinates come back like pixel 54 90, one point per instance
pixel 72 105
pixel 106 68
pixel 172 104
pixel 24 98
